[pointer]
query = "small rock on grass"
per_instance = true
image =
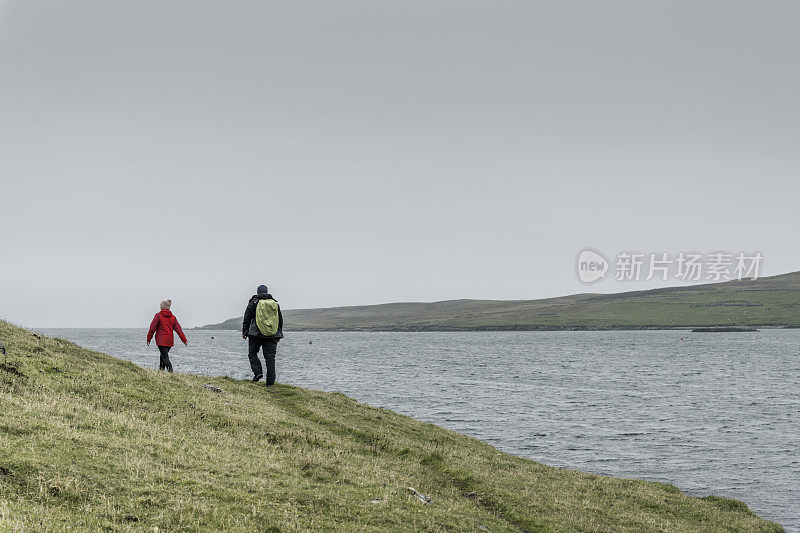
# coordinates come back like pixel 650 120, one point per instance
pixel 214 388
pixel 424 498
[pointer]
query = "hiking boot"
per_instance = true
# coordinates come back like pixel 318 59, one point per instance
pixel 258 377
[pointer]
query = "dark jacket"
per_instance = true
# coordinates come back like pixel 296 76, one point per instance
pixel 249 326
pixel 162 325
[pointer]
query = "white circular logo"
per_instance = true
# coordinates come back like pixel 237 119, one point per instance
pixel 592 266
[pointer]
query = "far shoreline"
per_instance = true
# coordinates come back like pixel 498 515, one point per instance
pixel 723 329
pixel 687 328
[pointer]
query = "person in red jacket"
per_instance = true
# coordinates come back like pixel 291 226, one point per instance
pixel 162 325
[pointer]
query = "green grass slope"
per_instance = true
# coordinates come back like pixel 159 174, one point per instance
pixel 772 301
pixel 92 443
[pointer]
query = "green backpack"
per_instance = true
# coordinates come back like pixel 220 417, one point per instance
pixel 267 318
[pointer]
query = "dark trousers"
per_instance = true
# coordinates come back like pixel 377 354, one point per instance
pixel 164 361
pixel 270 347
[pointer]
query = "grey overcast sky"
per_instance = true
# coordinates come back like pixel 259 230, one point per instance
pixel 357 152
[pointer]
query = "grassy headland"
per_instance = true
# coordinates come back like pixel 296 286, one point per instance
pixel 772 301
pixel 90 442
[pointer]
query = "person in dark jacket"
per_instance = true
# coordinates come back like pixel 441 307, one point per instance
pixel 163 324
pixel 269 344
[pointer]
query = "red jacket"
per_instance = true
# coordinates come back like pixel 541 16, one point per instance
pixel 162 325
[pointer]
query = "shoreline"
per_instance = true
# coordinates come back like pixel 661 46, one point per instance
pixel 466 478
pixel 439 329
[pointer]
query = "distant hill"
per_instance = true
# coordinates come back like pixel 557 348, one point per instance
pixel 771 301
